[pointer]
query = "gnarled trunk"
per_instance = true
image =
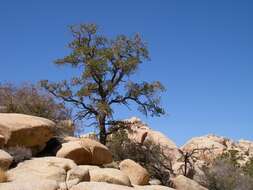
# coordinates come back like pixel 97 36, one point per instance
pixel 102 130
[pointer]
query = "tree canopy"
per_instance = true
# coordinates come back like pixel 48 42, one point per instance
pixel 106 66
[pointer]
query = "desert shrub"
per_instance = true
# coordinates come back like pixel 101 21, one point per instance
pixel 226 174
pixel 3 176
pixel 149 155
pixel 248 168
pixel 19 153
pixel 32 100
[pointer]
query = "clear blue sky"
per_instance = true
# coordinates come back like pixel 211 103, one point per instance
pixel 201 50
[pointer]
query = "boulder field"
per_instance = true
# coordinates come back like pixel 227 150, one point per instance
pixel 79 163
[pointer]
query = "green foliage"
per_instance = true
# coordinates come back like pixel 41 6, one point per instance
pixel 104 81
pixel 149 155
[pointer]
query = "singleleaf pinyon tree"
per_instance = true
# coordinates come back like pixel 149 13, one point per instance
pixel 105 66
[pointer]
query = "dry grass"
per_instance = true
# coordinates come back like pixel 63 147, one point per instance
pixel 3 176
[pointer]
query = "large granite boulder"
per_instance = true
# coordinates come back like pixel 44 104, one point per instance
pixel 183 183
pixel 152 187
pixel 209 147
pixel 25 130
pixel 141 133
pixel 99 186
pixel 86 151
pixel 5 160
pixel 50 168
pixel 30 184
pixel 76 152
pixel 109 175
pixel 137 174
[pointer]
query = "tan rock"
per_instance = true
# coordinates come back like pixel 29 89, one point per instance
pixel 152 187
pixel 2 141
pixel 109 175
pixel 25 130
pixel 215 146
pixel 30 184
pixel 136 173
pixel 183 183
pixel 5 160
pixel 51 168
pixel 76 152
pixel 100 153
pixel 168 146
pixel 76 175
pixel 99 186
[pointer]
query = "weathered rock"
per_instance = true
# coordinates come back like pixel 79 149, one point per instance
pixel 154 182
pixel 77 175
pixel 152 187
pixel 183 183
pixel 168 147
pixel 85 151
pixel 136 173
pixel 30 184
pixel 109 175
pixel 5 160
pixel 25 130
pixel 214 146
pixel 2 141
pixel 141 133
pixel 76 152
pixel 100 153
pixel 51 168
pixel 99 186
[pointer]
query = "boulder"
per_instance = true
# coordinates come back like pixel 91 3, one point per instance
pixel 77 175
pixel 100 153
pixel 214 146
pixel 99 186
pixel 25 130
pixel 5 160
pixel 85 151
pixel 74 151
pixel 152 187
pixel 136 173
pixel 109 175
pixel 30 184
pixel 141 133
pixel 183 183
pixel 51 168
pixel 2 141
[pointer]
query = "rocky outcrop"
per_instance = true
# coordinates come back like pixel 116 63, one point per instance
pixel 25 130
pixel 98 186
pixel 109 175
pixel 141 133
pixel 30 184
pixel 77 175
pixel 152 187
pixel 5 160
pixel 85 151
pixel 136 173
pixel 209 146
pixel 50 168
pixel 183 183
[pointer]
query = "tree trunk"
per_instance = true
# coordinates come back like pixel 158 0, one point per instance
pixel 102 130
